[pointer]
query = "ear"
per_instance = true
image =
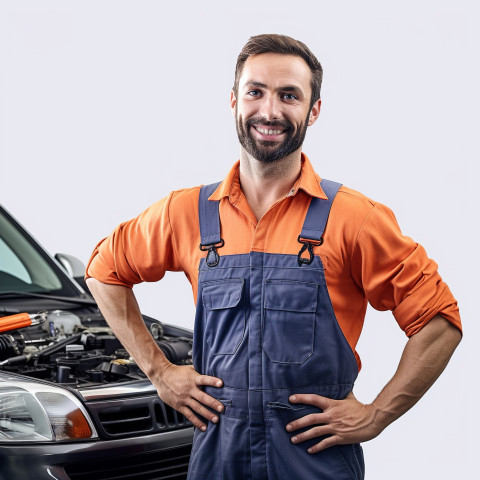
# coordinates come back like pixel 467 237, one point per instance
pixel 233 102
pixel 314 112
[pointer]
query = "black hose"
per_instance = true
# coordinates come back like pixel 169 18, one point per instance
pixel 59 346
pixel 7 347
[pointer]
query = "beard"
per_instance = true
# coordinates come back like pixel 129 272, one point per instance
pixel 263 150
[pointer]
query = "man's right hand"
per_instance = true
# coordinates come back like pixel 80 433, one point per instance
pixel 179 387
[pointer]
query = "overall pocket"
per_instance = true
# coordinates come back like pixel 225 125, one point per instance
pixel 289 320
pixel 224 305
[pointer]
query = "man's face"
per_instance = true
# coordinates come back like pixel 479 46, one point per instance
pixel 272 106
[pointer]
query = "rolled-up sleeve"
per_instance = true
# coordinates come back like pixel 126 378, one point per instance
pixel 396 274
pixel 140 250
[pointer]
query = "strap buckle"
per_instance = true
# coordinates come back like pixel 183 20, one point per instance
pixel 307 245
pixel 213 258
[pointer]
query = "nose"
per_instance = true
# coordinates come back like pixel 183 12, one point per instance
pixel 270 108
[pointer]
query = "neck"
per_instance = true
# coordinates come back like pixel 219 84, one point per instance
pixel 263 184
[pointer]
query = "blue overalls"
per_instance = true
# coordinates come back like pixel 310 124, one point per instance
pixel 265 325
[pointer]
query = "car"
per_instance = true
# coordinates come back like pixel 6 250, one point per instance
pixel 73 403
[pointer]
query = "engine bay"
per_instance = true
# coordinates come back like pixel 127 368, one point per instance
pixel 80 350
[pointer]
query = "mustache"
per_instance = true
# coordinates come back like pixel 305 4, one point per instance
pixel 283 124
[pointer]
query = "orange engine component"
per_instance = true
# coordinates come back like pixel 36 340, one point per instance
pixel 13 322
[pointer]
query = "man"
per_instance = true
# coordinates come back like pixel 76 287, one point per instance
pixel 274 348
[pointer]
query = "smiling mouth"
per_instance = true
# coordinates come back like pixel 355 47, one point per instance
pixel 267 131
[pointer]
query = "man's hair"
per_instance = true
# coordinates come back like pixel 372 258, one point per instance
pixel 273 43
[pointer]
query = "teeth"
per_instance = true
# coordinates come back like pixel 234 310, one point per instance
pixel 265 131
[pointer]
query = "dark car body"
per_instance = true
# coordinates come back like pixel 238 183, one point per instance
pixel 73 404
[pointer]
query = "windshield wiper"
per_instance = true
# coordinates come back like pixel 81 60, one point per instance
pixel 80 301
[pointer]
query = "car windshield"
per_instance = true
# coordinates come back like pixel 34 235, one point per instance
pixel 22 267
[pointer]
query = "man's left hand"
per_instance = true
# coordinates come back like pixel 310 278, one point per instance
pixel 345 421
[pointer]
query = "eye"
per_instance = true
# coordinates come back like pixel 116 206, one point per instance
pixel 254 93
pixel 289 96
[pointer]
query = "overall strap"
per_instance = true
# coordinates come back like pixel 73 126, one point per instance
pixel 318 212
pixel 209 217
pixel 316 220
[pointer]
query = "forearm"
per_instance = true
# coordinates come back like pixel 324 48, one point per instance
pixel 424 358
pixel 120 309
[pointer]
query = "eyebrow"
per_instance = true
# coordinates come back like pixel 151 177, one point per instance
pixel 291 88
pixel 251 83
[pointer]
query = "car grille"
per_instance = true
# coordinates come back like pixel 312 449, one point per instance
pixel 135 416
pixel 171 464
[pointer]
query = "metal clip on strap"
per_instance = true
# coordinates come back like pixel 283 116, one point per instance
pixel 316 221
pixel 212 256
pixel 307 245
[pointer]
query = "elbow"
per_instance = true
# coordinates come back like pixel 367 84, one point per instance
pixel 450 331
pixel 455 334
pixel 441 331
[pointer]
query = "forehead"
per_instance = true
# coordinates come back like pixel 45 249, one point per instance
pixel 276 70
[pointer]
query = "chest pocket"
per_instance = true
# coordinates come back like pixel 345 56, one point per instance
pixel 289 320
pixel 224 305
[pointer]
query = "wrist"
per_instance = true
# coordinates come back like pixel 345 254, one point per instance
pixel 382 416
pixel 154 364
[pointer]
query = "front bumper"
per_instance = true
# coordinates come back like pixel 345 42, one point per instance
pixel 154 457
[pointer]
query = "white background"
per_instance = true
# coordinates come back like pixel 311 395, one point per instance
pixel 106 106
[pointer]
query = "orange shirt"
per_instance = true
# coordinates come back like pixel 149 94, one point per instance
pixel 365 256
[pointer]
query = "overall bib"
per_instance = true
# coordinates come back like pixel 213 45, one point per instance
pixel 265 325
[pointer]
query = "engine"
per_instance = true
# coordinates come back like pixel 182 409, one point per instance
pixel 81 351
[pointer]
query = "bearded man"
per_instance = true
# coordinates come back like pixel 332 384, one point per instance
pixel 286 266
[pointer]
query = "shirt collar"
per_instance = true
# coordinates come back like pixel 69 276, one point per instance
pixel 308 181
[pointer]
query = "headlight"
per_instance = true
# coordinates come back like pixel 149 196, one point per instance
pixel 32 412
